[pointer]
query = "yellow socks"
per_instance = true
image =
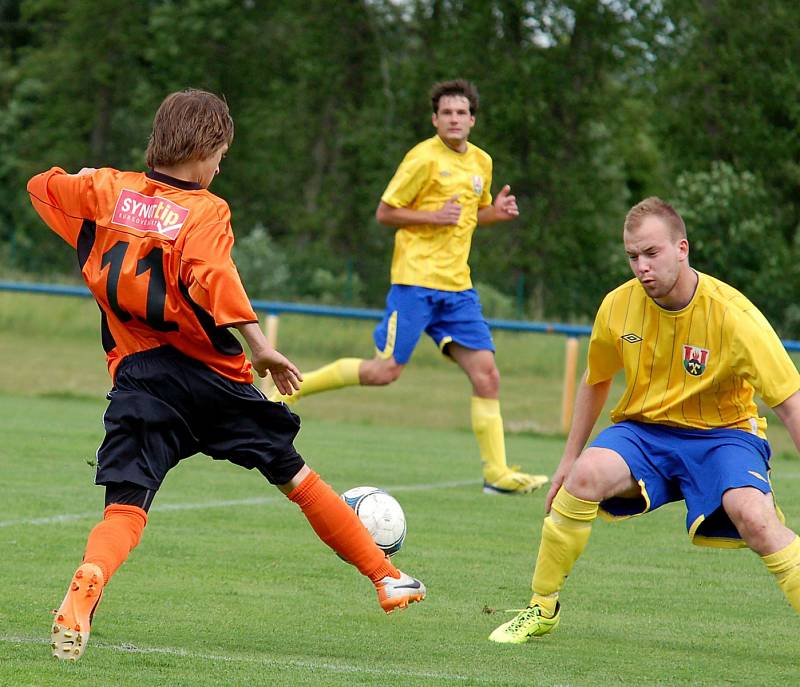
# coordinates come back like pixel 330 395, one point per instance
pixel 342 372
pixel 565 533
pixel 487 424
pixel 785 565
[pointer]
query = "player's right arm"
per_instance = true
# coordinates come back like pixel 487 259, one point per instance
pixel 446 215
pixel 604 360
pixel 63 200
pixel 409 183
pixel 265 359
pixel 589 403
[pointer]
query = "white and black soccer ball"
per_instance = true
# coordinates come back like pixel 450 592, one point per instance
pixel 381 514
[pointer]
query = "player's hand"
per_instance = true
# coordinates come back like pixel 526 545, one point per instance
pixel 505 205
pixel 449 213
pixel 555 484
pixel 283 371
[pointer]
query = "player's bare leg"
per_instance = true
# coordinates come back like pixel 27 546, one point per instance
pixel 487 424
pixel 761 526
pixel 344 372
pixel 379 371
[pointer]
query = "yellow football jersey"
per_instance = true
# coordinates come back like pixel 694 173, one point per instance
pixel 430 174
pixel 696 367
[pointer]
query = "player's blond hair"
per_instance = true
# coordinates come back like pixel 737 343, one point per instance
pixel 460 87
pixel 189 125
pixel 659 208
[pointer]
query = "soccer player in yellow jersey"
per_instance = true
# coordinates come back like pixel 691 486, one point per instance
pixel 694 351
pixel 437 197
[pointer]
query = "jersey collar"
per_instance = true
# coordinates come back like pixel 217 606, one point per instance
pixel 172 181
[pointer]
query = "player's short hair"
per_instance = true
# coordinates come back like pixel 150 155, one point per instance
pixel 659 208
pixel 189 125
pixel 460 87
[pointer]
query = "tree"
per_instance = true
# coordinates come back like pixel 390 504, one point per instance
pixel 732 229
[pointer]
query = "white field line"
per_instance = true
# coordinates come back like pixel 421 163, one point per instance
pixel 227 503
pixel 270 661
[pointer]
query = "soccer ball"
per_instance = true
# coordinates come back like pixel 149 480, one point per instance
pixel 381 514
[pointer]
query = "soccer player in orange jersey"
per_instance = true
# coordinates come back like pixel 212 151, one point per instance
pixel 694 352
pixel 154 248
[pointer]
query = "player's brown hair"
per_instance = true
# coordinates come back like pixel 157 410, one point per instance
pixel 189 125
pixel 659 208
pixel 460 87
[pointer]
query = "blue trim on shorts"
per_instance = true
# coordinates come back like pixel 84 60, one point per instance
pixel 694 465
pixel 445 316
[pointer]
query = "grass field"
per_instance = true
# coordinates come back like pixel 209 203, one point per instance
pixel 230 586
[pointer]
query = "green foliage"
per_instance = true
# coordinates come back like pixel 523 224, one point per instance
pixel 586 107
pixel 729 88
pixel 262 265
pixel 329 288
pixel 495 303
pixel 734 233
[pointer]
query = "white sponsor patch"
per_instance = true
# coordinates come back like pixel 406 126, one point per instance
pixel 149 213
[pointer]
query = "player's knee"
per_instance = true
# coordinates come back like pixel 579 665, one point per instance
pixel 584 481
pixel 381 373
pixel 391 374
pixel 595 476
pixel 493 380
pixel 129 494
pixel 486 382
pixel 753 524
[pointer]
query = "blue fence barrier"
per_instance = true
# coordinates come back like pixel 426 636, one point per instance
pixel 279 307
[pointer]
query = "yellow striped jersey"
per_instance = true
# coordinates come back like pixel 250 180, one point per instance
pixel 696 367
pixel 430 174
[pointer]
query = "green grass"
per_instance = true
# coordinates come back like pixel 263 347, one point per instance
pixel 230 586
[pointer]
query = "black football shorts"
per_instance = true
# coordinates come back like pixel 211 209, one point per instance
pixel 165 407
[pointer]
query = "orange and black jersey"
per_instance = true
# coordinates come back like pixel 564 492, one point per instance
pixel 156 254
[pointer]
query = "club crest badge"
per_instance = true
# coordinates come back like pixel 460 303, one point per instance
pixel 695 359
pixel 477 185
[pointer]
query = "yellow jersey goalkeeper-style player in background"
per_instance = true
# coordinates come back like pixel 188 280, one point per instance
pixel 437 197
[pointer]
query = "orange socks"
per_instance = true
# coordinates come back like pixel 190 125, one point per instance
pixel 339 527
pixel 115 537
pixel 332 519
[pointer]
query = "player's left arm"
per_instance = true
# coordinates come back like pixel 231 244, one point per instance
pixel 503 209
pixel 789 414
pixel 758 356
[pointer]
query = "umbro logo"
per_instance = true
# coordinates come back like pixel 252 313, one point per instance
pixel 631 338
pixel 444 173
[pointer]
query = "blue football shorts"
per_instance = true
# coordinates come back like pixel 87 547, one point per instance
pixel 694 465
pixel 445 316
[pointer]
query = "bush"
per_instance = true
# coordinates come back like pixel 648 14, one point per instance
pixel 496 304
pixel 262 265
pixel 734 234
